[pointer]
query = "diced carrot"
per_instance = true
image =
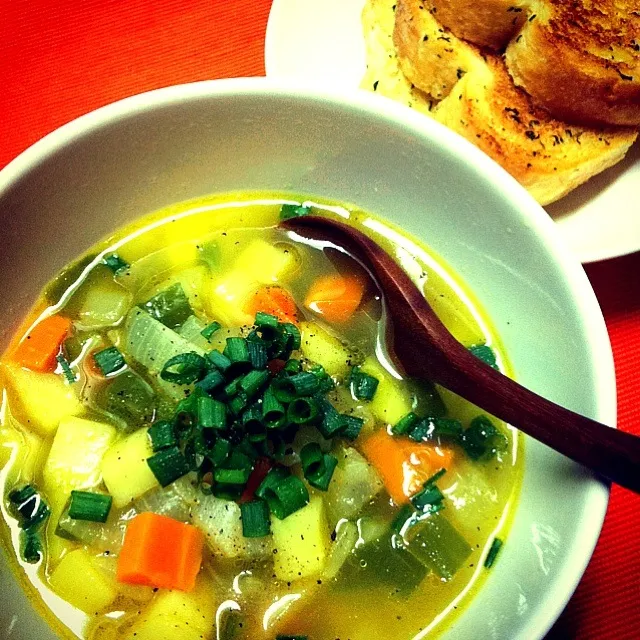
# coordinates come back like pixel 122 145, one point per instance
pixel 404 465
pixel 335 297
pixel 38 349
pixel 160 552
pixel 259 473
pixel 274 300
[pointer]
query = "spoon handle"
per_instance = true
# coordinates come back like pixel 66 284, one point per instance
pixel 421 345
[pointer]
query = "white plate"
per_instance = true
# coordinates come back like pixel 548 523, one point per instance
pixel 320 42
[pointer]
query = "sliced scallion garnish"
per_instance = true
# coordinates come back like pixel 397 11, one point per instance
pixel 162 435
pixel 85 505
pixel 168 465
pixel 115 262
pixel 255 519
pixel 109 360
pixel 496 545
pixel 210 329
pixel 185 368
pixel 363 386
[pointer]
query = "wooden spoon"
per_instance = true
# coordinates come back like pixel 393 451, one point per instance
pixel 423 347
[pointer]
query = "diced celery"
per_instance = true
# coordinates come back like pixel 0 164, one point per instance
pixel 392 400
pixel 193 281
pixel 41 400
pixel 128 397
pixel 177 615
pixel 301 541
pixel 170 306
pixel 436 543
pixel 317 345
pixel 80 582
pixel 125 470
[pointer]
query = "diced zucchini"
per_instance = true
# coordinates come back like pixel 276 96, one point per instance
pixel 177 615
pixel 354 484
pixel 80 582
pixel 267 263
pixel 125 470
pixel 392 401
pixel 301 541
pixel 104 305
pixel 321 347
pixel 41 400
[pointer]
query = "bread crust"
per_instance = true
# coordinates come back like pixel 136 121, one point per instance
pixel 547 156
pixel 486 23
pixel 581 61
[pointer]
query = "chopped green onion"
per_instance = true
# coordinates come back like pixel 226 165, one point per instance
pixel 218 360
pixel 211 381
pixel 109 360
pixel 162 435
pixel 485 353
pixel 253 382
pixel 292 366
pixel 326 382
pixel 220 451
pixel 184 368
pixel 66 369
pixel 284 492
pixel 30 547
pixel 209 330
pixel 170 307
pixel 351 426
pixel 430 498
pixel 85 505
pixel 332 422
pixel 266 320
pixel 482 440
pixel 496 545
pixel 252 420
pixel 255 519
pixel 237 351
pixel 168 465
pixel 292 334
pixel 273 412
pixel 317 467
pixel 115 262
pixel 405 424
pixel 295 386
pixel 232 476
pixel 257 354
pixel 212 414
pixel 31 508
pixel 303 411
pixel 363 386
pixel 238 403
pixel 293 211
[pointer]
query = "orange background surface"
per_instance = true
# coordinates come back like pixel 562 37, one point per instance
pixel 62 58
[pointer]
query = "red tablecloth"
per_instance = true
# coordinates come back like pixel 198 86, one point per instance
pixel 62 58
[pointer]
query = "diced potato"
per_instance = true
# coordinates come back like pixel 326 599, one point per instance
pixel 227 296
pixel 74 459
pixel 177 615
pixel 391 401
pixel 125 470
pixel 103 305
pixel 354 484
pixel 41 400
pixel 80 582
pixel 266 263
pixel 320 346
pixel 301 541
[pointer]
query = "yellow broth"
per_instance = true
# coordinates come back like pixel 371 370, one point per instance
pixel 240 594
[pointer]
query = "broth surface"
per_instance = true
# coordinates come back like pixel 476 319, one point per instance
pixel 219 251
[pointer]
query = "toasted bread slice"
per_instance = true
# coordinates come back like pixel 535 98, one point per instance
pixel 487 23
pixel 547 156
pixel 580 59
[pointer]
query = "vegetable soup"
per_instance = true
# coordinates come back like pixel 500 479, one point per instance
pixel 202 438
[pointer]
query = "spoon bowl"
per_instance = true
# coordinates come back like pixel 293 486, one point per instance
pixel 421 345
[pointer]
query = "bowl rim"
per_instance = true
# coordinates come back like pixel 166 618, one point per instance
pixel 597 491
